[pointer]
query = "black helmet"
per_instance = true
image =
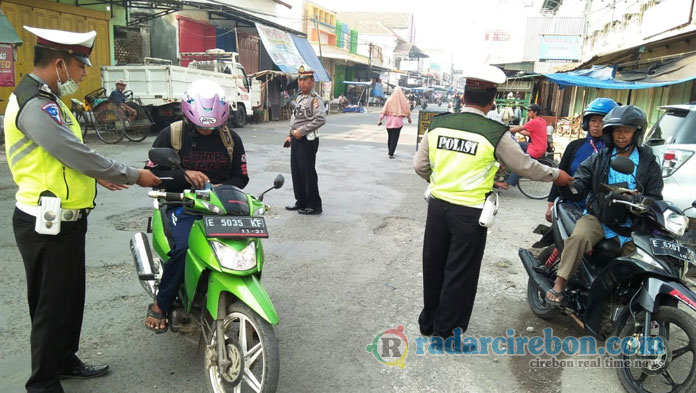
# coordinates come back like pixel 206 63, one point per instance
pixel 627 115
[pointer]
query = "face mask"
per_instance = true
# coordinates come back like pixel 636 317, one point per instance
pixel 68 87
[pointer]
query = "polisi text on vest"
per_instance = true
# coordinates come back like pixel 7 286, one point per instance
pixel 457 144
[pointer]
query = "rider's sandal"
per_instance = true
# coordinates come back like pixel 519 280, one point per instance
pixel 159 316
pixel 551 302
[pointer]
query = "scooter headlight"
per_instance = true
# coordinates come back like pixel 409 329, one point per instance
pixel 675 222
pixel 232 259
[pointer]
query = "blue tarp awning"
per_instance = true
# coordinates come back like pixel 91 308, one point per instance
pixel 307 53
pixel 603 77
pixel 357 83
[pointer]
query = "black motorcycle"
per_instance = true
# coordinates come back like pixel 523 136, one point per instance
pixel 634 296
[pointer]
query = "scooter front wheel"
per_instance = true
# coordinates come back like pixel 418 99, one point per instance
pixel 672 367
pixel 252 349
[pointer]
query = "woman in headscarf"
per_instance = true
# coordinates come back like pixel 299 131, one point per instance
pixel 395 109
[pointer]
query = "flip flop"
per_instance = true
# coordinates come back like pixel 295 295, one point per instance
pixel 159 316
pixel 554 303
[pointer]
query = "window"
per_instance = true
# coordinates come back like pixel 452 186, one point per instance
pixel 665 130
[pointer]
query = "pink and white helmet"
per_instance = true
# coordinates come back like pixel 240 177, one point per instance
pixel 204 104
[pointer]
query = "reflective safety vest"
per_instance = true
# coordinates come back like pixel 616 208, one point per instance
pixel 34 169
pixel 461 151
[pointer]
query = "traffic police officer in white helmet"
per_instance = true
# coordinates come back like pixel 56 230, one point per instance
pixel 56 174
pixel 458 157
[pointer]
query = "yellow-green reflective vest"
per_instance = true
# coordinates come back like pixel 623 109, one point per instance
pixel 33 168
pixel 461 152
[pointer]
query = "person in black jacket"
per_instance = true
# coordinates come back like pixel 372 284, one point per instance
pixel 579 150
pixel 204 143
pixel 622 128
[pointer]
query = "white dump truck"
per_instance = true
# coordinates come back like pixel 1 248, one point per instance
pixel 159 85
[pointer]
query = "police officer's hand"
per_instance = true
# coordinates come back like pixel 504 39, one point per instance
pixel 147 178
pixel 297 134
pixel 563 179
pixel 287 141
pixel 548 212
pixel 111 186
pixel 197 179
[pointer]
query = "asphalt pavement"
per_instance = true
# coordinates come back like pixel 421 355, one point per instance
pixel 337 280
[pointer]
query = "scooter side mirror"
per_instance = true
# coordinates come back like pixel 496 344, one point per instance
pixel 165 157
pixel 623 165
pixel 278 182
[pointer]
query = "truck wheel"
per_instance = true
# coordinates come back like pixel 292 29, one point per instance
pixel 239 120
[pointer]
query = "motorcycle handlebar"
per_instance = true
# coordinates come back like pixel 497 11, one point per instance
pixel 620 197
pixel 167 196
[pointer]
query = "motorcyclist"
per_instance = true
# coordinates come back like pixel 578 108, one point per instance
pixel 578 150
pixel 457 102
pixel 209 153
pixel 622 129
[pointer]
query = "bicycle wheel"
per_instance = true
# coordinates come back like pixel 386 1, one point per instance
pixel 109 125
pixel 139 128
pixel 537 189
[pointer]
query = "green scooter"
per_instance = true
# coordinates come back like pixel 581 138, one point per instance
pixel 221 293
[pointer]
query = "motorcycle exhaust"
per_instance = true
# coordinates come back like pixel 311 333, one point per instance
pixel 529 262
pixel 144 264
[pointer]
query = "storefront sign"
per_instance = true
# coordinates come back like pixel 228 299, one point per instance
pixel 280 48
pixel 561 48
pixel 424 119
pixel 7 75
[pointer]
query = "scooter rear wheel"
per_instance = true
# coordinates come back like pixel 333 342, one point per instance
pixel 253 349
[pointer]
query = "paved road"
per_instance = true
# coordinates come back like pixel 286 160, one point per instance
pixel 337 280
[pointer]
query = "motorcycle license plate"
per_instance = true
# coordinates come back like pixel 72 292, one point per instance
pixel 229 226
pixel 664 247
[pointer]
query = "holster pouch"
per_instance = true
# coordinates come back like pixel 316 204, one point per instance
pixel 48 216
pixel 312 135
pixel 490 209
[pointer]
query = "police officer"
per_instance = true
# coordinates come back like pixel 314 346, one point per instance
pixel 458 157
pixel 55 172
pixel 307 117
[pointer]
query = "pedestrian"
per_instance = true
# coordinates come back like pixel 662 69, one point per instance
pixel 119 98
pixel 535 129
pixel 494 115
pixel 394 110
pixel 458 157
pixel 56 174
pixel 303 141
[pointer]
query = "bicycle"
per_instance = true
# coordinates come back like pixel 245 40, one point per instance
pixel 532 189
pixel 107 118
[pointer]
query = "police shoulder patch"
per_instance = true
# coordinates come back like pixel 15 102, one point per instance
pixel 54 111
pixel 315 103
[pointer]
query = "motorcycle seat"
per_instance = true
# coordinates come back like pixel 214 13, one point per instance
pixel 569 214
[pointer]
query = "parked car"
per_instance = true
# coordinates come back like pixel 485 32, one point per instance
pixel 673 140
